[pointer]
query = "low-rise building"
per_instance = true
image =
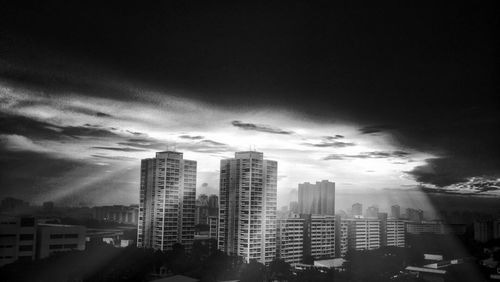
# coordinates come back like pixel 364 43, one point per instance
pixel 17 238
pixel 53 238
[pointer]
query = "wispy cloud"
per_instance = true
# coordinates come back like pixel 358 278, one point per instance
pixel 260 127
pixel 191 137
pixel 336 144
pixel 375 128
pixel 368 155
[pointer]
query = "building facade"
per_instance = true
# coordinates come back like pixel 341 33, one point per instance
pixel 247 207
pixel 167 202
pixel 394 233
pixel 117 213
pixel 363 234
pixel 53 238
pixel 317 198
pixel 319 235
pixel 17 238
pixel 357 210
pixel 290 237
pixel 396 212
pixel 341 236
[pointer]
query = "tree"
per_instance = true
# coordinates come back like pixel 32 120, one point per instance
pixel 253 272
pixel 279 270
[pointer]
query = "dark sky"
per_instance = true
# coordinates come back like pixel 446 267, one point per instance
pixel 427 74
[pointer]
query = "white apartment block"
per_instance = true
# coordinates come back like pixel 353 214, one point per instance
pixel 290 239
pixel 247 212
pixel 363 234
pixel 167 202
pixel 395 233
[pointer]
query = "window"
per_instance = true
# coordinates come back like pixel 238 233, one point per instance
pixel 55 247
pixel 56 236
pixel 26 248
pixel 26 237
pixel 70 235
pixel 70 246
pixel 27 221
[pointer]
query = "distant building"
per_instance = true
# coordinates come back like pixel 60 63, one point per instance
pixel 363 234
pixel 201 210
pixel 415 215
pixel 357 209
pixel 483 231
pixel 317 198
pixel 13 204
pixel 371 212
pixel 167 202
pixel 319 235
pixel 396 212
pixel 430 227
pixel 247 212
pixel 117 213
pixel 213 205
pixel 294 207
pixel 289 240
pixel 17 238
pixel 53 238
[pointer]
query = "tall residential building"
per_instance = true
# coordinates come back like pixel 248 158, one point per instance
pixel 167 202
pixel 396 211
pixel 417 228
pixel 357 210
pixel 290 236
pixel 247 206
pixel 319 235
pixel 363 234
pixel 317 198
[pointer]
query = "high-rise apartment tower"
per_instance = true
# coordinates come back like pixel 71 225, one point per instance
pixel 247 213
pixel 167 202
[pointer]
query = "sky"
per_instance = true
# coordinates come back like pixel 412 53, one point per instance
pixel 368 97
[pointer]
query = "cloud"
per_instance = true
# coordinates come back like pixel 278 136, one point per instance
pixel 211 142
pixel 368 155
pixel 122 149
pixel 336 144
pixel 191 137
pixel 337 136
pixel 446 171
pixel 260 127
pixel 375 129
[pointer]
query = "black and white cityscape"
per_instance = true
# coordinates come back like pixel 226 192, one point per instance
pixel 275 141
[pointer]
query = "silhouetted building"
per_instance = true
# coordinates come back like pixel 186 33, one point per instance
pixel 213 227
pixel 396 211
pixel 213 205
pixel 12 204
pixel 289 240
pixel 357 209
pixel 317 198
pixel 167 202
pixel 201 210
pixel 247 214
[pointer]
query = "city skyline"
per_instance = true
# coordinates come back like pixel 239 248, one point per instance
pixel 382 100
